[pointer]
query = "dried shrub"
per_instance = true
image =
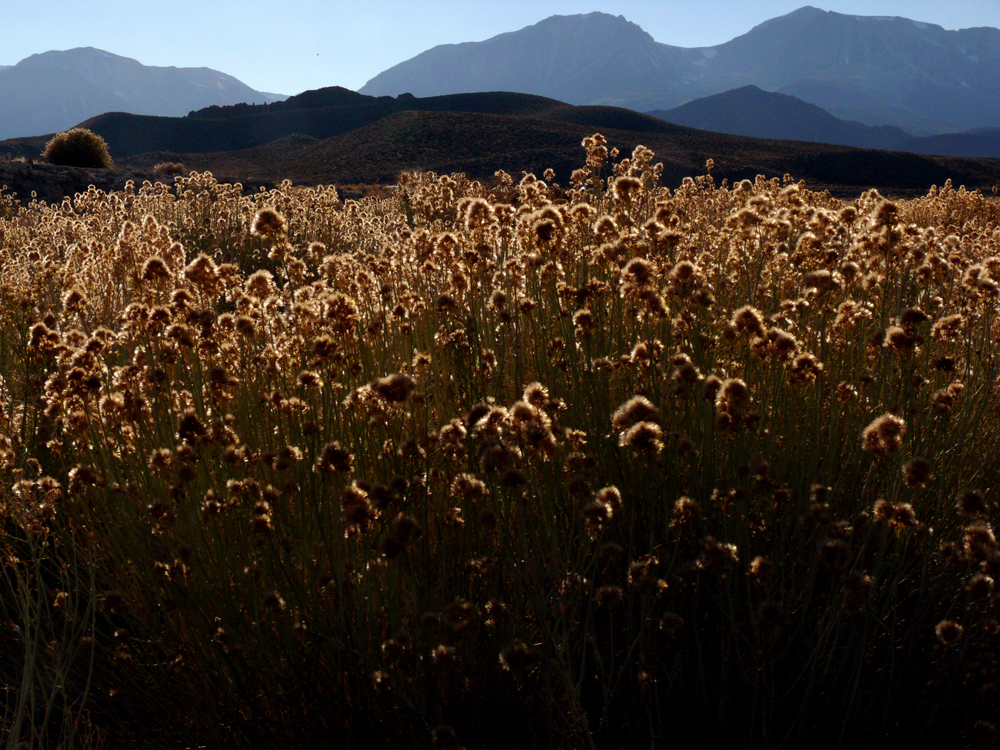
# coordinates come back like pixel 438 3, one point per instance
pixel 79 147
pixel 169 169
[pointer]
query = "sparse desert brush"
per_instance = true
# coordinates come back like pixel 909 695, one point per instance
pixel 79 147
pixel 501 465
pixel 169 169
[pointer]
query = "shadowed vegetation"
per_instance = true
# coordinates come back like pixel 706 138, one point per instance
pixel 500 463
pixel 78 147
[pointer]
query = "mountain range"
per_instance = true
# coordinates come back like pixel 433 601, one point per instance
pixel 874 70
pixel 53 91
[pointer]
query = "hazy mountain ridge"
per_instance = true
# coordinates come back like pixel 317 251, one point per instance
pixel 56 90
pixel 754 113
pixel 873 70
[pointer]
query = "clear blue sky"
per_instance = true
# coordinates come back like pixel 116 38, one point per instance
pixel 289 46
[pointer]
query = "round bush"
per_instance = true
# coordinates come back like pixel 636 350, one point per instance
pixel 169 169
pixel 79 147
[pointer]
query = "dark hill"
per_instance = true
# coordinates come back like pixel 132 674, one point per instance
pixel 330 96
pixel 478 144
pixel 753 112
pixel 611 117
pixel 977 143
pixel 244 126
pixel 372 140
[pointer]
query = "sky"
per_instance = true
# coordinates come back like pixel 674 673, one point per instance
pixel 290 46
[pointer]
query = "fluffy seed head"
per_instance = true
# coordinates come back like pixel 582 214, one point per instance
pixel 395 388
pixel 643 437
pixel 884 435
pixel 749 320
pixel 949 632
pixel 269 223
pixel 636 409
pixel 733 395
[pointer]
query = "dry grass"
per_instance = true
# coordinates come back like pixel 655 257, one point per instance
pixel 505 465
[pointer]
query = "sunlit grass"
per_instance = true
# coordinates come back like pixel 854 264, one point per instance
pixel 504 465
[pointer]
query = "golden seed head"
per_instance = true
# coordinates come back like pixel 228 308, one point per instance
pixel 395 388
pixel 273 600
pixel 749 320
pixel 74 299
pixel 536 394
pixel 518 658
pixel 269 223
pixel 643 437
pixel 884 435
pixel 979 587
pixel 948 327
pixel 761 567
pixel 686 510
pixel 980 542
pixel 949 632
pixel 611 497
pixel 625 187
pixel 469 488
pixel 636 409
pixel 639 272
pixel 597 512
pixel 732 396
pixel 155 268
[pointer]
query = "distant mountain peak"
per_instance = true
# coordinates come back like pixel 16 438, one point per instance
pixel 805 11
pixel 56 90
pixel 597 20
pixel 68 56
pixel 594 17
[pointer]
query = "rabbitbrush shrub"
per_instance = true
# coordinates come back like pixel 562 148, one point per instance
pixel 169 169
pixel 79 147
pixel 521 465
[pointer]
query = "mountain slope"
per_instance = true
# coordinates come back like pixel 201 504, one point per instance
pixel 584 59
pixel 871 68
pixel 53 91
pixel 753 112
pixel 875 70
